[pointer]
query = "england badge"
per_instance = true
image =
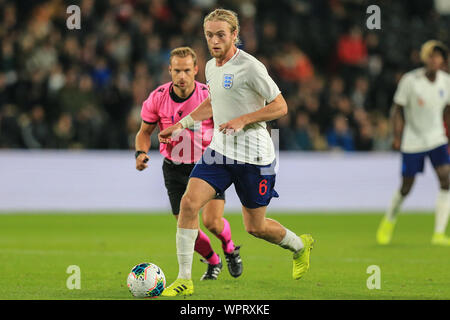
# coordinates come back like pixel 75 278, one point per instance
pixel 228 80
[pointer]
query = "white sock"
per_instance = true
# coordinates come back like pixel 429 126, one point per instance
pixel 394 208
pixel 185 239
pixel 442 211
pixel 291 241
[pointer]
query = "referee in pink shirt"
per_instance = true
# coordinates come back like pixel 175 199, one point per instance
pixel 165 106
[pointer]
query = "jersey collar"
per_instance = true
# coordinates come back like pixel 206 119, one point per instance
pixel 178 99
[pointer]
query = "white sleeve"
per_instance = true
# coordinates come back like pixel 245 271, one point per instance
pixel 448 90
pixel 259 80
pixel 403 92
pixel 207 79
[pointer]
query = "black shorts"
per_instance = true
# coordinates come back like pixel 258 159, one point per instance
pixel 176 177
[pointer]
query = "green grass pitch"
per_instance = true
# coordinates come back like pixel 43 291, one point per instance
pixel 36 249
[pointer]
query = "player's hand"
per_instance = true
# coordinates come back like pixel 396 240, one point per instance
pixel 396 144
pixel 233 126
pixel 165 135
pixel 141 161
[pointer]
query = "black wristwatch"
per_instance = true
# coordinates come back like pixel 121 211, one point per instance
pixel 137 153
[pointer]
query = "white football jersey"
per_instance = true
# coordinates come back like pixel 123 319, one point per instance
pixel 241 86
pixel 423 104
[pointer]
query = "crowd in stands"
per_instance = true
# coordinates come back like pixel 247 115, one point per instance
pixel 84 88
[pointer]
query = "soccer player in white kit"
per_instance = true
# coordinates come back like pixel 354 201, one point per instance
pixel 164 107
pixel 421 108
pixel 241 151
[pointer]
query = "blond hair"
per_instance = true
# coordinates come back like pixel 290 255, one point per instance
pixel 428 47
pixel 183 52
pixel 228 16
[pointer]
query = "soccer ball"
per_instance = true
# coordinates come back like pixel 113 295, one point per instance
pixel 146 280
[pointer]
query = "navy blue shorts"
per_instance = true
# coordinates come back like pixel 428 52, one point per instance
pixel 413 163
pixel 176 177
pixel 254 184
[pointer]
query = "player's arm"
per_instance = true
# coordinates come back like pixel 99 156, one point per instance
pixel 142 144
pixel 447 119
pixel 274 110
pixel 397 124
pixel 202 112
pixel 401 101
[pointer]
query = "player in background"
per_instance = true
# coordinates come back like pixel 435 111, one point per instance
pixel 165 106
pixel 241 151
pixel 420 110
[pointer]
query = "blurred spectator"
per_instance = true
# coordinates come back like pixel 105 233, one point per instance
pixel 334 89
pixel 9 18
pixel 69 94
pixel 360 92
pixel 56 79
pixel 374 54
pixel 8 60
pixel 364 131
pixel 64 132
pixel 364 137
pixel 42 59
pixel 352 53
pixel 316 114
pixel 302 132
pixel 89 127
pixel 286 133
pixel 70 54
pixel 319 142
pixel 351 48
pixel 117 104
pixel 382 140
pixel 10 133
pixel 101 73
pixel 268 37
pixel 3 92
pixel 35 130
pixel 293 65
pixel 345 107
pixel 155 56
pixel 340 137
pixel 133 124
